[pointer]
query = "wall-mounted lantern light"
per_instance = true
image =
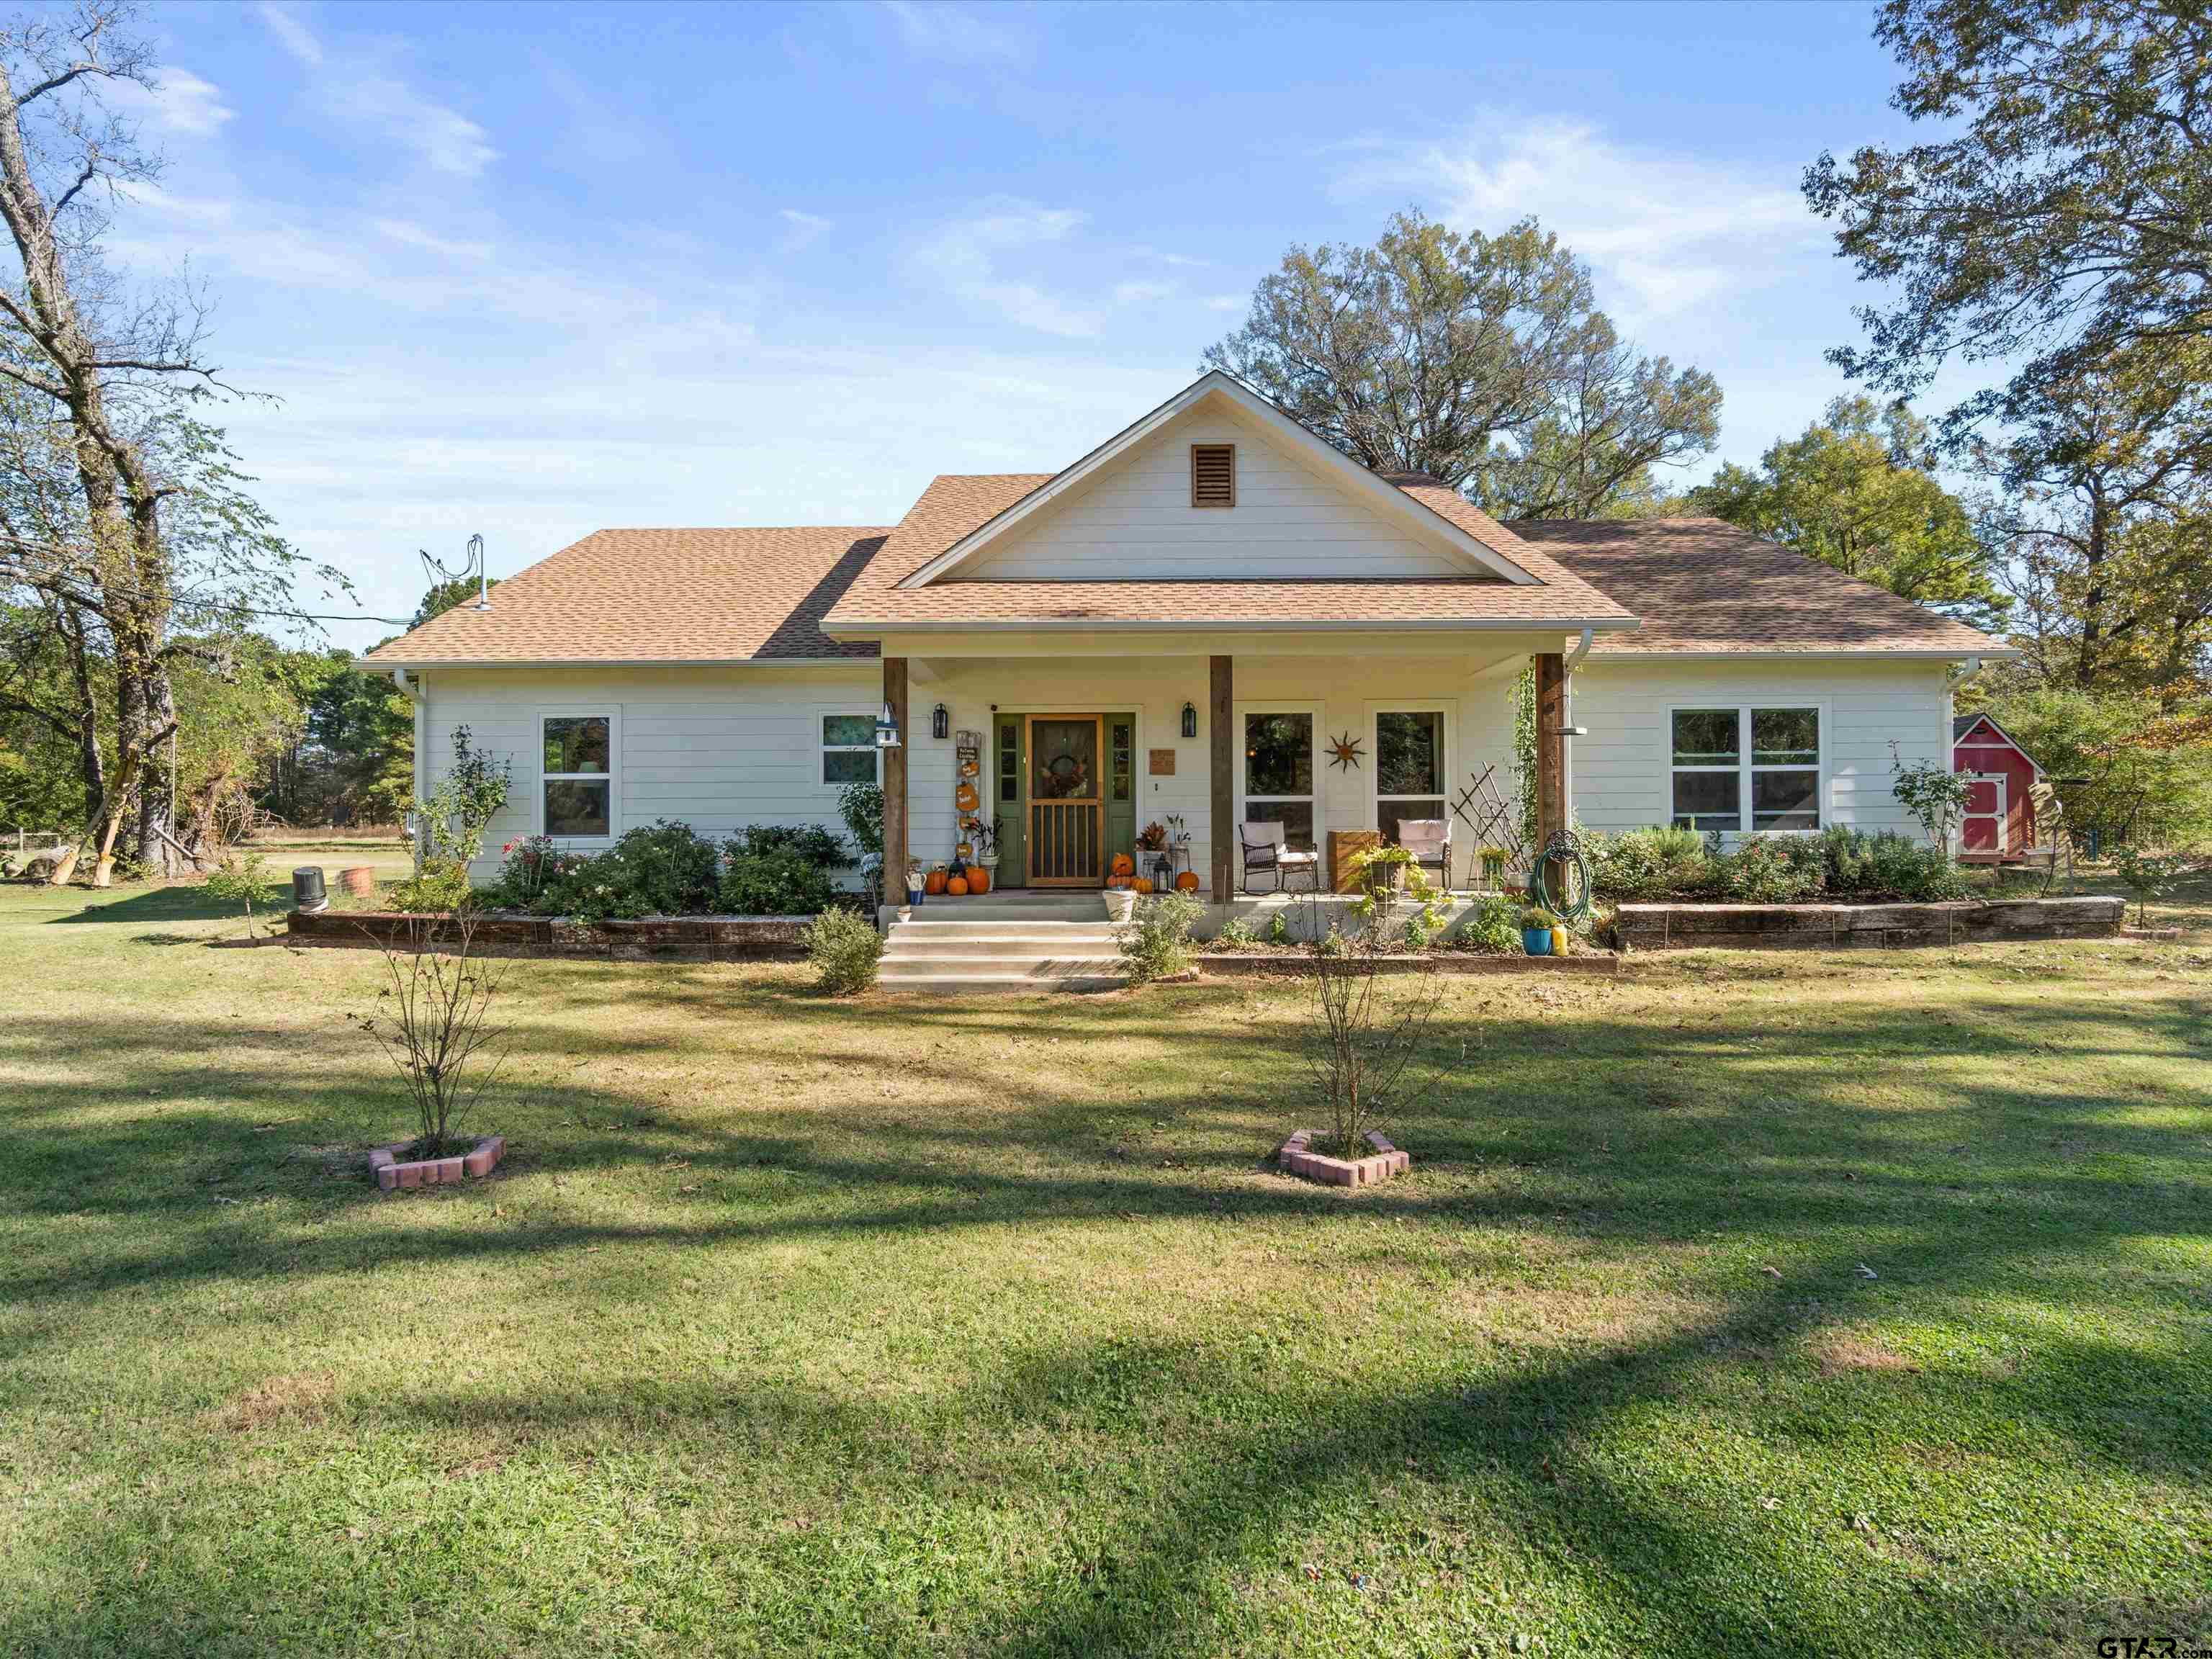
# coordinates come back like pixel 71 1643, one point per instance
pixel 940 722
pixel 1190 721
pixel 887 733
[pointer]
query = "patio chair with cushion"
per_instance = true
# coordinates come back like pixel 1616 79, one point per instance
pixel 1429 840
pixel 1266 852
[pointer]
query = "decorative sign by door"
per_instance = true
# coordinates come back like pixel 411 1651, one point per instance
pixel 1160 763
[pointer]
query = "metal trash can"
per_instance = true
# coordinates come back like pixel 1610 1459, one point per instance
pixel 307 892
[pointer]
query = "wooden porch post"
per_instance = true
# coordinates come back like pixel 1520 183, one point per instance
pixel 1550 755
pixel 895 818
pixel 1221 735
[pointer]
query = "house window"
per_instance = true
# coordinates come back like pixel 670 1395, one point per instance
pixel 848 749
pixel 1746 769
pixel 1409 767
pixel 579 775
pixel 1121 740
pixel 1010 762
pixel 1279 774
pixel 1213 475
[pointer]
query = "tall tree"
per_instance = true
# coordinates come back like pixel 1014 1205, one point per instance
pixel 1481 360
pixel 2062 217
pixel 2105 517
pixel 1850 491
pixel 116 373
pixel 442 597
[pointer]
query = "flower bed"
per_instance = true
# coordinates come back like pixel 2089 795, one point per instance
pixel 1255 962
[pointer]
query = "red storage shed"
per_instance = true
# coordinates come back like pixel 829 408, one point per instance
pixel 2000 820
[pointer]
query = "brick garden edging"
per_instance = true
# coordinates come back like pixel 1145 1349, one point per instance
pixel 1841 926
pixel 392 1173
pixel 1386 1161
pixel 1261 962
pixel 511 933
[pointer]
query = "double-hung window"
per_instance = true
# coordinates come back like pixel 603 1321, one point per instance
pixel 1278 774
pixel 848 749
pixel 579 775
pixel 1746 769
pixel 1409 768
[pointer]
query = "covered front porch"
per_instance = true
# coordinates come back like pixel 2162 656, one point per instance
pixel 1049 758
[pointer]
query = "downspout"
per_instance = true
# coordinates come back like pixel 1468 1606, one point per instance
pixel 1567 719
pixel 417 695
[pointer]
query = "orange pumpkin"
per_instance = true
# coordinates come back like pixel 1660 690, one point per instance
pixel 1187 882
pixel 957 887
pixel 1117 881
pixel 1124 865
pixel 978 880
pixel 935 882
pixel 1141 883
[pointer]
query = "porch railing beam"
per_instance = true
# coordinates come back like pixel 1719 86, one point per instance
pixel 894 813
pixel 1221 734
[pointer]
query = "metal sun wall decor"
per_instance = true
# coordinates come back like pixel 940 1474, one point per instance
pixel 1343 751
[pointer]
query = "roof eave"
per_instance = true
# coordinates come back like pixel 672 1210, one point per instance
pixel 869 625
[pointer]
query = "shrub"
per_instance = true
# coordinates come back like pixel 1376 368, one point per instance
pixel 1650 865
pixel 433 1021
pixel 1772 870
pixel 1417 931
pixel 782 882
pixel 664 869
pixel 441 884
pixel 846 952
pixel 1491 926
pixel 2147 876
pixel 1155 940
pixel 1885 865
pixel 1278 929
pixel 1932 793
pixel 452 819
pixel 242 881
pixel 1235 934
pixel 820 848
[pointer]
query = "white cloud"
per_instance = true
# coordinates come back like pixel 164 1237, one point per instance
pixel 964 257
pixel 414 235
pixel 292 34
pixel 1667 231
pixel 803 228
pixel 951 33
pixel 1224 302
pixel 179 102
pixel 445 140
pixel 1137 294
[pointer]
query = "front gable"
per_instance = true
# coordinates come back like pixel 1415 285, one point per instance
pixel 1301 510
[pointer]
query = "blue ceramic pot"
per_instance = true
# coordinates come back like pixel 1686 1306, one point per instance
pixel 1536 941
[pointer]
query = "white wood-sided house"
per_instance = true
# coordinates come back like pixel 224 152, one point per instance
pixel 1185 622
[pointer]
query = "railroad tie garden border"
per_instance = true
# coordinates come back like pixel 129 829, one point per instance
pixel 512 934
pixel 1846 926
pixel 1257 964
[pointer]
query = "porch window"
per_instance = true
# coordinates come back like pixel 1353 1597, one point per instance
pixel 1010 762
pixel 1121 738
pixel 578 778
pixel 1279 774
pixel 1409 768
pixel 848 749
pixel 1746 769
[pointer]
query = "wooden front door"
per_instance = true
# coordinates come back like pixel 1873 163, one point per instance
pixel 1064 841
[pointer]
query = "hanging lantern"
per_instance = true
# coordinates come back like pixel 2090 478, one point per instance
pixel 887 731
pixel 1190 721
pixel 940 722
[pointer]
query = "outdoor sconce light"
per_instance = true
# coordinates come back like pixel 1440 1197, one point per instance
pixel 1190 721
pixel 940 722
pixel 887 736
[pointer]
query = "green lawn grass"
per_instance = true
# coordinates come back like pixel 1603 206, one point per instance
pixel 898 1326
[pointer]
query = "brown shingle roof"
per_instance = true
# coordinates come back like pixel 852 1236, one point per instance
pixel 658 596
pixel 1702 585
pixel 956 503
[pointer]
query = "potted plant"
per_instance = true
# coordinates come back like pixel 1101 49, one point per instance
pixel 984 833
pixel 1539 930
pixel 1492 862
pixel 917 883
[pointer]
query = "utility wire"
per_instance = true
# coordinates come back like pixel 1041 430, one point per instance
pixel 204 603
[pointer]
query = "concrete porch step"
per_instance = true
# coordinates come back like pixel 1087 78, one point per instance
pixel 999 942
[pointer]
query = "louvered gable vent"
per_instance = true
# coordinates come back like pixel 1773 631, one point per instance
pixel 1213 475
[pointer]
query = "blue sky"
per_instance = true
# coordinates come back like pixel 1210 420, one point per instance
pixel 533 270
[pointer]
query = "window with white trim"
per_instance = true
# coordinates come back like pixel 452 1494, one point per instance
pixel 848 749
pixel 1409 767
pixel 578 778
pixel 1746 769
pixel 1279 774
